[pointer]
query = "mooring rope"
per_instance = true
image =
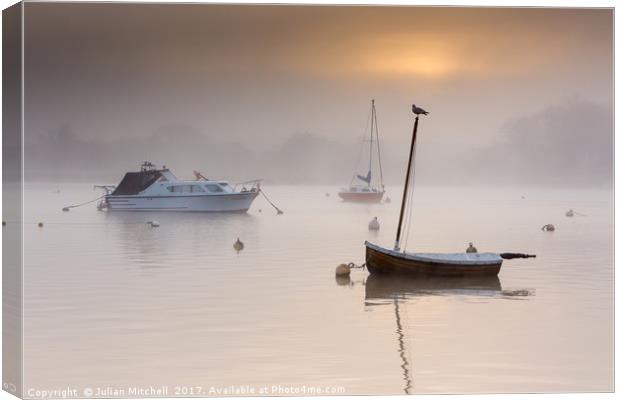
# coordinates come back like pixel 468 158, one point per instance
pixel 354 265
pixel 269 201
pixel 83 204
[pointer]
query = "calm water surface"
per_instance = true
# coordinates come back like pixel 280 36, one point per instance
pixel 111 302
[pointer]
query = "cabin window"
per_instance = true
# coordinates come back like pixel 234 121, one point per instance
pixel 213 188
pixel 185 189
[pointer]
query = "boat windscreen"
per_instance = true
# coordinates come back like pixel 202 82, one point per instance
pixel 135 182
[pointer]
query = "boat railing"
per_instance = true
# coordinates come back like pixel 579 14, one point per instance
pixel 147 166
pixel 108 189
pixel 248 186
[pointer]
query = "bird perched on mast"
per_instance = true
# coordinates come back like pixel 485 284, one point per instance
pixel 418 110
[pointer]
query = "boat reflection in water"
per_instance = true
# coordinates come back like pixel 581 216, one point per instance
pixel 383 290
pixel 387 287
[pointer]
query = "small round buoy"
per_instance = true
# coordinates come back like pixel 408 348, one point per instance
pixel 238 245
pixel 343 270
pixel 471 248
pixel 153 224
pixel 40 224
pixel 374 225
pixel 3 223
pixel 570 213
pixel 260 210
pixel 65 209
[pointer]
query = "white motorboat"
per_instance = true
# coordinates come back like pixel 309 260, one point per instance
pixel 158 189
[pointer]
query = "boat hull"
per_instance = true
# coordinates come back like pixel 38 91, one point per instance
pixel 362 197
pixel 234 202
pixel 383 261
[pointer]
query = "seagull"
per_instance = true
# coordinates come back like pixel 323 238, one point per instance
pixel 418 110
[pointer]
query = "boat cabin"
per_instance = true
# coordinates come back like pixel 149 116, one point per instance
pixel 151 181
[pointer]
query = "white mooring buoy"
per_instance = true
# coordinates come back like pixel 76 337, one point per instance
pixel 374 225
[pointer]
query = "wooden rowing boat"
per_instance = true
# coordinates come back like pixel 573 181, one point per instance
pixel 380 260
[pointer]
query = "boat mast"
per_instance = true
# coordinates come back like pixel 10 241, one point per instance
pixel 372 119
pixel 379 151
pixel 402 207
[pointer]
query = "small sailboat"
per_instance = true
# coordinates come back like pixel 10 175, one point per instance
pixel 367 192
pixel 380 260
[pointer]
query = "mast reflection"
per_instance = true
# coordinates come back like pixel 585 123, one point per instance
pixel 397 288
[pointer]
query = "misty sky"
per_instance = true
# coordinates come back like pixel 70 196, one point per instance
pixel 284 91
